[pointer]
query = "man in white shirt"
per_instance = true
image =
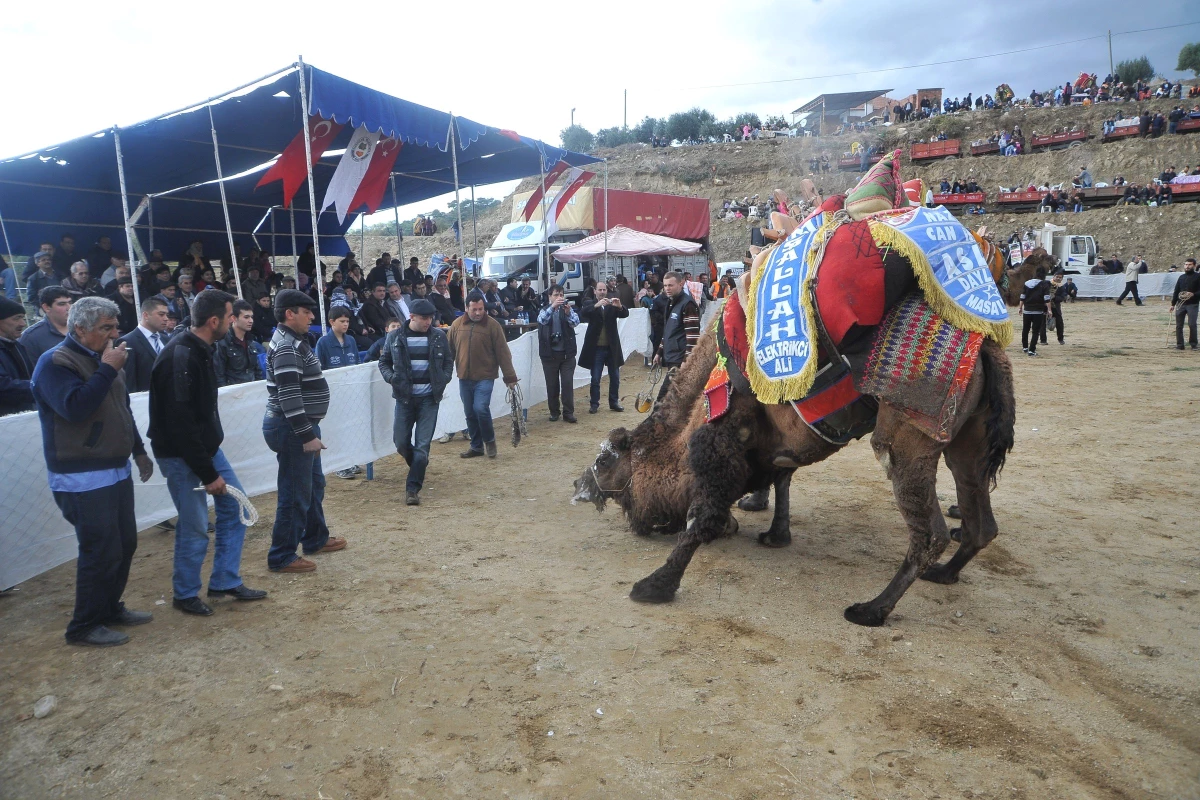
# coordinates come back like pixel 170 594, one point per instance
pixel 1132 269
pixel 144 343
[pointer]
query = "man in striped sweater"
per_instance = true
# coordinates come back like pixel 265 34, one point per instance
pixel 681 330
pixel 297 401
pixel 416 360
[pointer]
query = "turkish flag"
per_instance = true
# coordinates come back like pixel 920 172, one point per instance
pixel 290 168
pixel 536 197
pixel 374 183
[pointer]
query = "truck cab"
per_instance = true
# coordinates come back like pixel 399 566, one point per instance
pixel 519 252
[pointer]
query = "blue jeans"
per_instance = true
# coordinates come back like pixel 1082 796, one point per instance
pixel 299 512
pixel 106 528
pixel 191 531
pixel 614 378
pixel 420 413
pixel 477 405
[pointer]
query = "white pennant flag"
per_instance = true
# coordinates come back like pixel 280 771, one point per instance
pixel 350 171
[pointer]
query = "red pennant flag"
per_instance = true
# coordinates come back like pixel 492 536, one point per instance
pixel 516 137
pixel 290 168
pixel 370 191
pixel 536 197
pixel 572 188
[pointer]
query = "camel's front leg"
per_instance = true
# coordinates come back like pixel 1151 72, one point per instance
pixel 780 532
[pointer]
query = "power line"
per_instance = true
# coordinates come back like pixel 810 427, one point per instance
pixel 939 63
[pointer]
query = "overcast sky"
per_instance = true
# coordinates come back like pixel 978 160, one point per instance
pixel 71 68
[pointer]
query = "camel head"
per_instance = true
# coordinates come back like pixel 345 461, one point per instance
pixel 610 475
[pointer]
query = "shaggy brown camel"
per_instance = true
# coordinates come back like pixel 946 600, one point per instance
pixel 676 471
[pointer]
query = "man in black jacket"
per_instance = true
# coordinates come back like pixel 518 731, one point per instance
pixel 417 361
pixel 602 346
pixel 681 328
pixel 1185 302
pixel 556 349
pixel 235 357
pixel 16 395
pixel 186 435
pixel 374 314
pixel 1035 300
pixel 144 344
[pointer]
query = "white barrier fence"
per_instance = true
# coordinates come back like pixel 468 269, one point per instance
pixel 34 537
pixel 1151 284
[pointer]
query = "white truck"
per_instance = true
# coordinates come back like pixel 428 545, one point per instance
pixel 1076 254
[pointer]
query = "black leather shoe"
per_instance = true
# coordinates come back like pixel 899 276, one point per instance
pixel 412 499
pixel 615 407
pixel 240 592
pixel 127 617
pixel 100 636
pixel 554 417
pixel 569 418
pixel 593 409
pixel 472 453
pixel 192 605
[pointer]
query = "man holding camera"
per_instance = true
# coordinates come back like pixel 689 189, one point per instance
pixel 556 348
pixel 602 346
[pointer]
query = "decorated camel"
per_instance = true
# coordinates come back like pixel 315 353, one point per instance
pixel 872 316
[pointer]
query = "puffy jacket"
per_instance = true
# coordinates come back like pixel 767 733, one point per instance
pixel 396 366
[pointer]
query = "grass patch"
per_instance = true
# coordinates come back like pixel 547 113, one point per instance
pixel 1109 352
pixel 1183 369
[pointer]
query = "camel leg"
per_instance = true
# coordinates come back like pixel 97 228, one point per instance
pixel 755 501
pixel 911 460
pixel 780 532
pixel 963 457
pixel 718 462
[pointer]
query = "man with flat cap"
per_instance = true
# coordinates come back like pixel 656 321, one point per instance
pixel 297 401
pixel 417 361
pixel 15 366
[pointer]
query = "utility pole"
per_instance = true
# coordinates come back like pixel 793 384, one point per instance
pixel 572 118
pixel 625 115
pixel 1110 61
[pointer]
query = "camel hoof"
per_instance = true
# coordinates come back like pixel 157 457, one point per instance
pixel 865 614
pixel 649 591
pixel 756 501
pixel 940 573
pixel 731 528
pixel 774 538
pixel 954 512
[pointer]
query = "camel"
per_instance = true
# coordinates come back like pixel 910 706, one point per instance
pixel 677 472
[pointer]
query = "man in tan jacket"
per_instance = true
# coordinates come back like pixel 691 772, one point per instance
pixel 480 355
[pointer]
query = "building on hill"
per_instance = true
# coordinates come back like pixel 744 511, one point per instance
pixel 934 96
pixel 827 111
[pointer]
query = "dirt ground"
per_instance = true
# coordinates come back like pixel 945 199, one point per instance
pixel 483 645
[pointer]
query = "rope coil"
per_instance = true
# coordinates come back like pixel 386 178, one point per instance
pixel 247 513
pixel 516 403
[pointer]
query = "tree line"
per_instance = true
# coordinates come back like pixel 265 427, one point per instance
pixel 695 124
pixel 443 219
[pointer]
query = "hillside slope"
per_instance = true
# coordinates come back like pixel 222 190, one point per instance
pixel 722 171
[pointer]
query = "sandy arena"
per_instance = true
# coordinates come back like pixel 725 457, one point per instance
pixel 482 644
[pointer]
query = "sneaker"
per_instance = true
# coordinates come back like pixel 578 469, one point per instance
pixel 1031 352
pixel 411 499
pixel 345 474
pixel 490 447
pixel 357 469
pixel 446 439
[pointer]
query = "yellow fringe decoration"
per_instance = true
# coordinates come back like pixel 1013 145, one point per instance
pixel 772 391
pixel 888 238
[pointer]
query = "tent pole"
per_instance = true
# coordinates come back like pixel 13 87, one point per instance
pixel 273 241
pixel 12 266
pixel 295 253
pixel 362 235
pixel 457 204
pixel 545 250
pixel 474 231
pixel 605 213
pixel 312 199
pixel 399 237
pixel 137 295
pixel 150 216
pixel 224 206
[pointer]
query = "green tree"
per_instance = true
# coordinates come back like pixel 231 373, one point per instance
pixel 577 138
pixel 614 137
pixel 688 124
pixel 1189 58
pixel 1135 69
pixel 645 130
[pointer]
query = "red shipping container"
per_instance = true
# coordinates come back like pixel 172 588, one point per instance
pixel 664 214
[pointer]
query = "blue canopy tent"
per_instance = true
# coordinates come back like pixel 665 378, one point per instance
pixel 170 166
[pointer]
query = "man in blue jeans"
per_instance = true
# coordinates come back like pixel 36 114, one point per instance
pixel 417 362
pixel 186 435
pixel 480 354
pixel 297 400
pixel 88 434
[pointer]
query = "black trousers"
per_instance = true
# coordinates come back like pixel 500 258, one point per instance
pixel 1185 314
pixel 560 383
pixel 1031 329
pixel 106 527
pixel 1130 287
pixel 1056 312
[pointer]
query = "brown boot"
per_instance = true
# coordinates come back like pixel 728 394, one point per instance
pixel 332 545
pixel 299 565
